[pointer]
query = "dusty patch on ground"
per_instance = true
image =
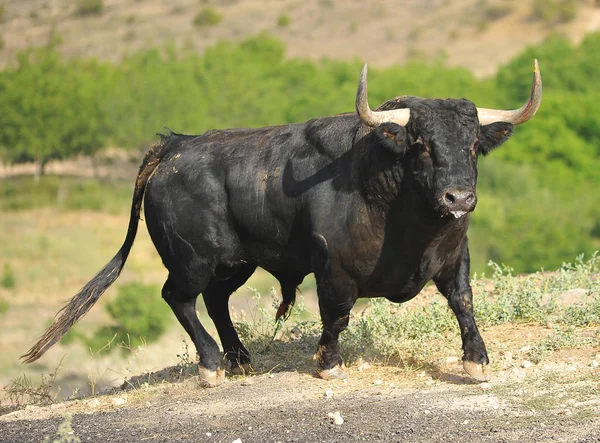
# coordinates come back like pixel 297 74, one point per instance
pixel 555 400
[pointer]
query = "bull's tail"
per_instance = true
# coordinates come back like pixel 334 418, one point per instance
pixel 82 302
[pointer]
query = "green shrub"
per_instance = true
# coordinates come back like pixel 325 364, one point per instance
pixel 4 306
pixel 89 7
pixel 139 316
pixel 208 17
pixel 554 11
pixel 8 277
pixel 497 11
pixel 283 21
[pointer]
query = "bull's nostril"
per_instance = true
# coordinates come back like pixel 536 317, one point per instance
pixel 449 198
pixel 470 197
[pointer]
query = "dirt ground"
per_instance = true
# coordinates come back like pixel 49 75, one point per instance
pixel 556 400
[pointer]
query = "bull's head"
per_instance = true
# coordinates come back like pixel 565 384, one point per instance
pixel 441 140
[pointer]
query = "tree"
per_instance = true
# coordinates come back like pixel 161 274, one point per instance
pixel 49 108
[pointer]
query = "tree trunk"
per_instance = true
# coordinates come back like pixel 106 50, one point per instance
pixel 40 170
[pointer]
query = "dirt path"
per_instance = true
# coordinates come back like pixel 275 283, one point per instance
pixel 554 401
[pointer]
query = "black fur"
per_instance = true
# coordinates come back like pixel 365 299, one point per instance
pixel 369 211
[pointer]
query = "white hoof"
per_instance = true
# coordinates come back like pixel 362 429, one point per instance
pixel 210 379
pixel 477 371
pixel 334 373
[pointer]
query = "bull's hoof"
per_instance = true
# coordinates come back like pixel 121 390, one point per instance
pixel 477 371
pixel 242 369
pixel 334 373
pixel 210 379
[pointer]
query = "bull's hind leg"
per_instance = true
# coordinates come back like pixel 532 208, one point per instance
pixel 216 298
pixel 182 300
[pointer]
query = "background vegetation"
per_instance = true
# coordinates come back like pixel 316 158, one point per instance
pixel 537 193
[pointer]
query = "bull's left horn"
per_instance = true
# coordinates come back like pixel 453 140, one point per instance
pixel 516 116
pixel 375 118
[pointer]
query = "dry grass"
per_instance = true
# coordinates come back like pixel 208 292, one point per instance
pixel 373 31
pixel 52 254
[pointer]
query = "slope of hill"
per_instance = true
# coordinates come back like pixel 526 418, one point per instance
pixel 477 34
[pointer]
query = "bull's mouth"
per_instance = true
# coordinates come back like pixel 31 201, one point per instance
pixel 458 214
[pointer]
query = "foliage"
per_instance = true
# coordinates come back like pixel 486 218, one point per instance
pixel 89 7
pixel 8 277
pixel 4 306
pixel 65 433
pixel 409 333
pixel 554 11
pixel 138 317
pixel 496 11
pixel 283 21
pixel 23 390
pixel 42 92
pixel 536 193
pixel 208 17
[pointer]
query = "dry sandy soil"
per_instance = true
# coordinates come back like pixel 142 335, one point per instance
pixel 468 33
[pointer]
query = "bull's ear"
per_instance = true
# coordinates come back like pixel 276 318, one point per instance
pixel 392 137
pixel 493 135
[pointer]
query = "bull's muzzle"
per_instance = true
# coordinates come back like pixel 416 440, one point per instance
pixel 458 202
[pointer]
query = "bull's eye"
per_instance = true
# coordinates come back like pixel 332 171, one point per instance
pixel 421 145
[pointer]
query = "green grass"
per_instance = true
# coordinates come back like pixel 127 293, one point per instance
pixel 413 333
pixel 65 193
pixel 208 17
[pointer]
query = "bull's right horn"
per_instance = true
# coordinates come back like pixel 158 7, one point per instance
pixel 375 118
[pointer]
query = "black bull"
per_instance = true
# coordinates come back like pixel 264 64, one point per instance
pixel 375 203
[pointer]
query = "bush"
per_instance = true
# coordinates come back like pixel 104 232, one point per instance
pixel 497 11
pixel 4 306
pixel 208 17
pixel 8 277
pixel 283 21
pixel 139 317
pixel 554 11
pixel 89 7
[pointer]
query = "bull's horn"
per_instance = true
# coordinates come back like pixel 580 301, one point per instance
pixel 516 116
pixel 375 118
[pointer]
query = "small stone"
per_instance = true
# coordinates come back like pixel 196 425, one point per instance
pixel 364 366
pixel 377 382
pixel 526 364
pixel 452 359
pixel 466 422
pixel 118 401
pixel 508 360
pixel 237 440
pixel 336 418
pixel 94 403
pixel 426 412
pixel 485 385
pixel 549 325
pixel 328 393
pixel 595 363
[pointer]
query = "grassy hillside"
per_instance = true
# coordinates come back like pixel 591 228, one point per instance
pixel 477 34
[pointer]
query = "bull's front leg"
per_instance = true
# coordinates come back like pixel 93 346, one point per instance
pixel 337 293
pixel 454 285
